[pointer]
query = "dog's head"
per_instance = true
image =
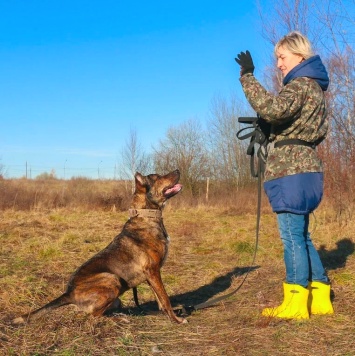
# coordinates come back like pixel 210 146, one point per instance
pixel 153 190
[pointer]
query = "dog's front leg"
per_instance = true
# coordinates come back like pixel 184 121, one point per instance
pixel 155 282
pixel 157 299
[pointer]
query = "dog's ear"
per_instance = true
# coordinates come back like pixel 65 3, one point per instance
pixel 140 180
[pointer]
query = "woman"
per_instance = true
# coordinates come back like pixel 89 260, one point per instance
pixel 293 173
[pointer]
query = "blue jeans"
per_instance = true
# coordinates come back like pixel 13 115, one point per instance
pixel 302 261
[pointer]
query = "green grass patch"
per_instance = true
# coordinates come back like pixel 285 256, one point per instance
pixel 47 253
pixel 242 247
pixel 345 277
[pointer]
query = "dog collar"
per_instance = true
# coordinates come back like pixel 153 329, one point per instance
pixel 147 213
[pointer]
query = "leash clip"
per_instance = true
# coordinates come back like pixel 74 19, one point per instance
pixel 184 310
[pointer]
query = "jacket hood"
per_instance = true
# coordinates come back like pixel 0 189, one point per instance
pixel 313 68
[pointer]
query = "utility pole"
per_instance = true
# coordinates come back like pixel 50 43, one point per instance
pixel 98 170
pixel 64 167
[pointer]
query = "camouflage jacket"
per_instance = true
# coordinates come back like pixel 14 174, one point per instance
pixel 299 111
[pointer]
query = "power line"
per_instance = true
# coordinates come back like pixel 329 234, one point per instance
pixel 30 171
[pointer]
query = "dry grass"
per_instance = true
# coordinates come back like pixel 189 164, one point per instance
pixel 210 250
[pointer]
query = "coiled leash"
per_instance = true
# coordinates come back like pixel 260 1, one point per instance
pixel 258 133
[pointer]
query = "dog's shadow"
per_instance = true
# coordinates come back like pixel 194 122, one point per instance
pixel 336 258
pixel 200 295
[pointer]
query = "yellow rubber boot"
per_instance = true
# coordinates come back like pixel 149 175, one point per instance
pixel 294 305
pixel 319 299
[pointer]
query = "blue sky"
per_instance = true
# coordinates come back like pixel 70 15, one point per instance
pixel 77 76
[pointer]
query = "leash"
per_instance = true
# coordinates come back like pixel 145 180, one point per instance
pixel 187 310
pixel 258 136
pixel 259 139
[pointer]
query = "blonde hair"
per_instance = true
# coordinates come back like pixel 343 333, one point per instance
pixel 296 43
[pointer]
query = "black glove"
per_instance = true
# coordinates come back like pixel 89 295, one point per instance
pixel 246 63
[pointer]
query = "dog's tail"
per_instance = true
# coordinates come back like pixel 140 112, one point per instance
pixel 64 299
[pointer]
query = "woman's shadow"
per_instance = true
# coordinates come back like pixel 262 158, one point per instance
pixel 336 258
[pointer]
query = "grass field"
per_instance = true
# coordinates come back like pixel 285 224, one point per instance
pixel 211 249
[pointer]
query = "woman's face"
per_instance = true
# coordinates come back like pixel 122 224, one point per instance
pixel 286 60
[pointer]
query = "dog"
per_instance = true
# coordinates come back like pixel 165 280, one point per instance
pixel 134 256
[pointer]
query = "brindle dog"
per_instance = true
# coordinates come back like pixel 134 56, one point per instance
pixel 134 256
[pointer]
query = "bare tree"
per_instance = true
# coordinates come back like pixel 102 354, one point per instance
pixel 229 162
pixel 134 159
pixel 2 170
pixel 184 148
pixel 339 47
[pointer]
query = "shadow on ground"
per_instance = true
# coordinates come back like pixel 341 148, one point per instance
pixel 336 258
pixel 200 295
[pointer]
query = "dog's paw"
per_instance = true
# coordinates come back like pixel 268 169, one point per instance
pixel 182 320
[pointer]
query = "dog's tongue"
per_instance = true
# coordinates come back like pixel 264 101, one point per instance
pixel 175 189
